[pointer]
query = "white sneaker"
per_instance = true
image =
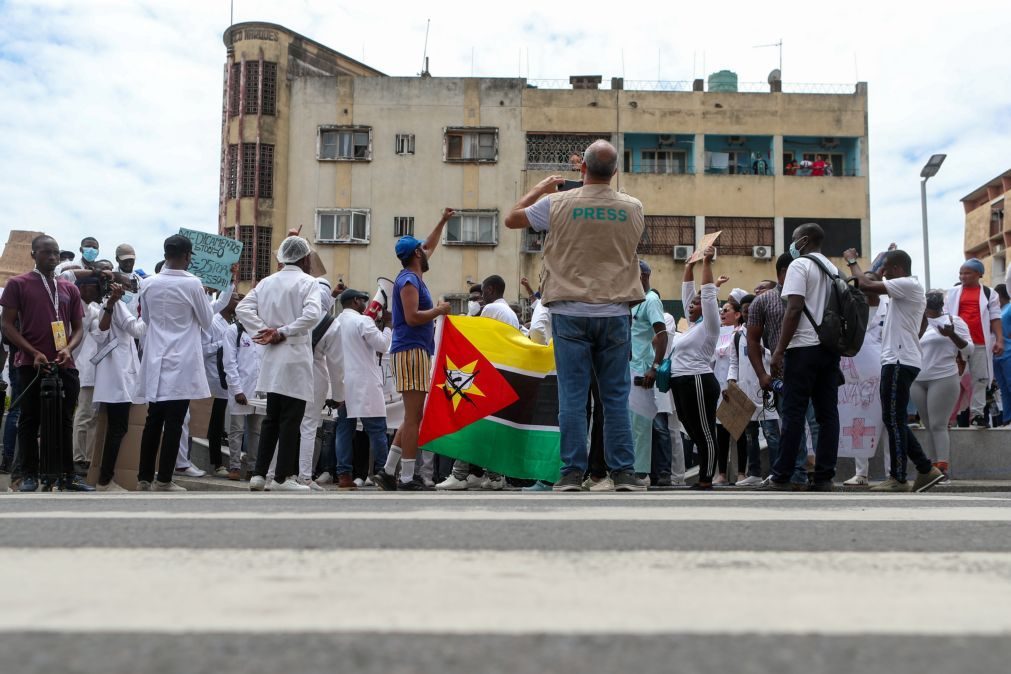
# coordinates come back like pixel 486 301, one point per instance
pixel 359 482
pixel 721 481
pixel 493 485
pixel 324 478
pixel 166 486
pixel 221 471
pixel 856 481
pixel 607 484
pixel 111 487
pixel 750 481
pixel 291 484
pixel 310 483
pixel 367 483
pixel 191 471
pixel 143 485
pixel 474 482
pixel 451 483
pixel 680 482
pixel 257 483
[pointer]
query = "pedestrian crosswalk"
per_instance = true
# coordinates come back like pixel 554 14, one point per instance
pixel 930 568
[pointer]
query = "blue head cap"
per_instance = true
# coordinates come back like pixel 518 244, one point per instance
pixel 406 245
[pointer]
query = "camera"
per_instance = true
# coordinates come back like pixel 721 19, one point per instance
pixel 570 185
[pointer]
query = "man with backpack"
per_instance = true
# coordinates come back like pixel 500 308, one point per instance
pixel 979 307
pixel 808 354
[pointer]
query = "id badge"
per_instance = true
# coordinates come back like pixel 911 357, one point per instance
pixel 59 335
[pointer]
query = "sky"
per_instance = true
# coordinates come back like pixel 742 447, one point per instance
pixel 110 110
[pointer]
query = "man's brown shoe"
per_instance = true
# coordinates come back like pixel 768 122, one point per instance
pixel 346 483
pixel 234 475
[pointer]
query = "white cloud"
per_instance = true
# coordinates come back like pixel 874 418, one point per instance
pixel 109 120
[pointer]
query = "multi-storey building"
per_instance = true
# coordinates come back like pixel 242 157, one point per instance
pixel 359 158
pixel 987 237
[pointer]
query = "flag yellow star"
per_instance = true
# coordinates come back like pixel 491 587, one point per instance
pixel 460 382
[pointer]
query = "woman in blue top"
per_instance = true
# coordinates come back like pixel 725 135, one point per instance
pixel 414 317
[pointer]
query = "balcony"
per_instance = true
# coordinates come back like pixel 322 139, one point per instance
pixel 739 155
pixel 808 156
pixel 664 154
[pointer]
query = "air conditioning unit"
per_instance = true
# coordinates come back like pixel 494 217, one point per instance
pixel 666 139
pixel 682 253
pixel 761 252
pixel 830 142
pixel 736 140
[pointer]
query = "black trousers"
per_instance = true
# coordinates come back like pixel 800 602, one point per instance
pixel 216 430
pixel 117 420
pixel 696 397
pixel 164 424
pixel 595 420
pixel 896 380
pixel 280 428
pixel 59 458
pixel 723 442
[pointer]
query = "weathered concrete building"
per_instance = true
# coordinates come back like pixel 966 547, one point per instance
pixel 987 236
pixel 357 158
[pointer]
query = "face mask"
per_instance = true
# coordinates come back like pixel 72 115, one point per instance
pixel 473 308
pixel 794 250
pixel 89 254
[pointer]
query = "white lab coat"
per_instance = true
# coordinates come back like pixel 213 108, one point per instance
pixel 175 310
pixel 87 348
pixel 361 342
pixel 540 324
pixel 289 302
pixel 744 374
pixel 242 367
pixel 988 311
pixel 117 376
pixel 210 341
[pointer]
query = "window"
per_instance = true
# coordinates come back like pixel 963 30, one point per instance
pixel 248 187
pixel 253 176
pixel 344 225
pixel 265 175
pixel 263 251
pixel 233 170
pixel 345 143
pixel 235 84
pixel 256 96
pixel 533 241
pixel 664 161
pixel 740 235
pixel 471 145
pixel 473 228
pixel 405 143
pixel 551 151
pixel 663 232
pixel 403 226
pixel 252 92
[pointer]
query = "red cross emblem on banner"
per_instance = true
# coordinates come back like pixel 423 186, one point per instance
pixel 858 431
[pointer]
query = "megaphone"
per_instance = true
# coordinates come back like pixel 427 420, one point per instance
pixel 380 301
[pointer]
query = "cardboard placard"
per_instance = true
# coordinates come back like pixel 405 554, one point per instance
pixel 735 410
pixel 213 257
pixel 707 240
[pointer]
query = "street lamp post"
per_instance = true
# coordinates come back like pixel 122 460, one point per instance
pixel 930 170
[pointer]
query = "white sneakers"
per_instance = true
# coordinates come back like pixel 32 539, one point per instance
pixel 291 484
pixel 257 483
pixel 324 478
pixel 604 484
pixel 166 486
pixel 474 482
pixel 191 471
pixel 221 471
pixel 856 481
pixel 750 481
pixel 488 484
pixel 309 483
pixel 111 487
pixel 451 483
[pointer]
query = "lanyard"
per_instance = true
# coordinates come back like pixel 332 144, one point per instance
pixel 53 295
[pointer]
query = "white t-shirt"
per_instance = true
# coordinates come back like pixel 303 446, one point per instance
pixel 501 312
pixel 939 351
pixel 805 278
pixel 900 336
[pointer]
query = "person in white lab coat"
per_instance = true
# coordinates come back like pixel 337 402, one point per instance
pixel 361 343
pixel 211 341
pixel 117 377
pixel 280 312
pixel 175 310
pixel 240 359
pixel 86 414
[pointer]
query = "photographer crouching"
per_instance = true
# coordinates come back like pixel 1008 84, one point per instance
pixel 42 318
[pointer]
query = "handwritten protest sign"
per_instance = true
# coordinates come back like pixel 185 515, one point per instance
pixel 707 240
pixel 213 257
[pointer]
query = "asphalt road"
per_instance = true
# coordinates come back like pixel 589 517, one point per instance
pixel 370 582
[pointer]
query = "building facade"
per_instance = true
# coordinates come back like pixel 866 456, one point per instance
pixel 360 158
pixel 987 236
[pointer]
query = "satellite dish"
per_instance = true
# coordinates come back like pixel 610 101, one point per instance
pixel 775 76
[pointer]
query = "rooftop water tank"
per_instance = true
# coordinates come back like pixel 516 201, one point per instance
pixel 723 81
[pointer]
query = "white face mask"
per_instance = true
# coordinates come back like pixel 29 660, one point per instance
pixel 473 308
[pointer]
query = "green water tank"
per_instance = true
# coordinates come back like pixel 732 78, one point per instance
pixel 723 81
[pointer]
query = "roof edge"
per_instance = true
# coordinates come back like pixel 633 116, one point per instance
pixel 982 188
pixel 226 38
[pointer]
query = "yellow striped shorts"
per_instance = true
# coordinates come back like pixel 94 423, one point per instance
pixel 411 370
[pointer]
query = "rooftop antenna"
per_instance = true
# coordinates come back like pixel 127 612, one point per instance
pixel 774 44
pixel 424 56
pixel 231 13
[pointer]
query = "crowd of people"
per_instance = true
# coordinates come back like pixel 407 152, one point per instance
pixel 292 378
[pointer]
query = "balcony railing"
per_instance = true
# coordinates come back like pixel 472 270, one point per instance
pixel 686 85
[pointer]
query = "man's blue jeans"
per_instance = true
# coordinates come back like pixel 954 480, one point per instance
pixel 375 428
pixel 602 345
pixel 1002 373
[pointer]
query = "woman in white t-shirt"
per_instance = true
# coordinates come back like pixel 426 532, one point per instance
pixel 730 325
pixel 936 388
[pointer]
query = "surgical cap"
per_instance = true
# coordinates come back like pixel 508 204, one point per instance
pixel 737 293
pixel 292 249
pixel 975 265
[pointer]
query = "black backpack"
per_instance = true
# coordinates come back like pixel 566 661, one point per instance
pixel 221 355
pixel 844 323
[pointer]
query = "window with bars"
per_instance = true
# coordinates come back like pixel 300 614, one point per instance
pixel 344 143
pixel 263 251
pixel 266 172
pixel 268 103
pixel 248 177
pixel 235 84
pixel 663 232
pixel 251 104
pixel 471 144
pixel 342 225
pixel 533 241
pixel 403 225
pixel 551 151
pixel 247 187
pixel 405 143
pixel 740 235
pixel 255 98
pixel 473 228
pixel 233 170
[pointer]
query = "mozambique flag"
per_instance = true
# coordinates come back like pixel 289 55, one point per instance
pixel 494 400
